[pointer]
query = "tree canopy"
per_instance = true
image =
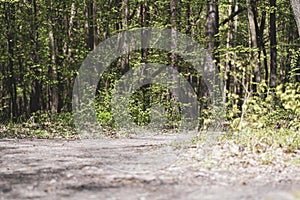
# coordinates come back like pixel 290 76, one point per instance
pixel 255 45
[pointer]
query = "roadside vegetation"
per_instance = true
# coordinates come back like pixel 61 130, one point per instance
pixel 255 46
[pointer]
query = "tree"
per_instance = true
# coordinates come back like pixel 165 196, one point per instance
pixel 36 87
pixel 53 90
pixel 43 44
pixel 212 26
pixel 253 26
pixel 174 58
pixel 296 9
pixel 273 44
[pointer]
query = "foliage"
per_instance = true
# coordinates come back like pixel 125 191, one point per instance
pixel 264 113
pixel 42 126
pixel 43 44
pixel 260 140
pixel 289 95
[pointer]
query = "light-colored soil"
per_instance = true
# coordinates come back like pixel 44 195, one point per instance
pixel 142 168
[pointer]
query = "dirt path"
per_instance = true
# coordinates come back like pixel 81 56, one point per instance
pixel 135 168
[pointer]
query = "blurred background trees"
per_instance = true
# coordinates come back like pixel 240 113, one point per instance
pixel 255 45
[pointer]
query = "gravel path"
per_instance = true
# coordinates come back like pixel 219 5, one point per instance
pixel 142 168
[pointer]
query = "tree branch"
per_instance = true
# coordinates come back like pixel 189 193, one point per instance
pixel 232 16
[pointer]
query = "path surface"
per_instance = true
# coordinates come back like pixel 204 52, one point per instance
pixel 138 168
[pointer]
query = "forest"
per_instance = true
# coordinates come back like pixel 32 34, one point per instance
pixel 255 46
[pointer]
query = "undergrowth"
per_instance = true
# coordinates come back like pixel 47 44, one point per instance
pixel 41 126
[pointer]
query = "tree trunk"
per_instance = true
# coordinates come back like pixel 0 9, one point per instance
pixel 35 96
pixel 273 43
pixel 125 25
pixel 228 55
pixel 173 8
pixel 11 82
pixel 106 33
pixel 90 24
pixel 253 27
pixel 70 58
pixel 188 26
pixel 296 9
pixel 212 27
pixel 145 17
pixel 174 58
pixel 53 90
pixel 235 79
pixel 261 44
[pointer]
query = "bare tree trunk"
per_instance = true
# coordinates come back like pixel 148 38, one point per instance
pixel 188 13
pixel 212 27
pixel 53 90
pixel 11 82
pixel 90 23
pixel 145 17
pixel 296 9
pixel 261 44
pixel 235 80
pixel 70 57
pixel 144 20
pixel 106 31
pixel 23 105
pixel 173 8
pixel 252 18
pixel 35 96
pixel 95 24
pixel 273 43
pixel 125 25
pixel 228 55
pixel 174 58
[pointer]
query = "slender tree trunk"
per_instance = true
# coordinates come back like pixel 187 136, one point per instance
pixel 35 96
pixel 212 30
pixel 145 17
pixel 188 26
pixel 296 9
pixel 228 55
pixel 261 44
pixel 174 58
pixel 253 27
pixel 53 90
pixel 90 24
pixel 11 82
pixel 70 57
pixel 125 25
pixel 173 8
pixel 144 20
pixel 212 27
pixel 95 24
pixel 106 31
pixel 24 102
pixel 235 79
pixel 273 43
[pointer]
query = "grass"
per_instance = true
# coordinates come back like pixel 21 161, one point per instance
pixel 261 140
pixel 41 126
pixel 267 145
pixel 254 140
pixel 37 130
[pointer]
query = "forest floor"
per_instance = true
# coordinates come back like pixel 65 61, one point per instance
pixel 153 167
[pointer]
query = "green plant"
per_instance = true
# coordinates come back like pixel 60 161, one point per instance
pixel 266 111
pixel 41 125
pixel 289 95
